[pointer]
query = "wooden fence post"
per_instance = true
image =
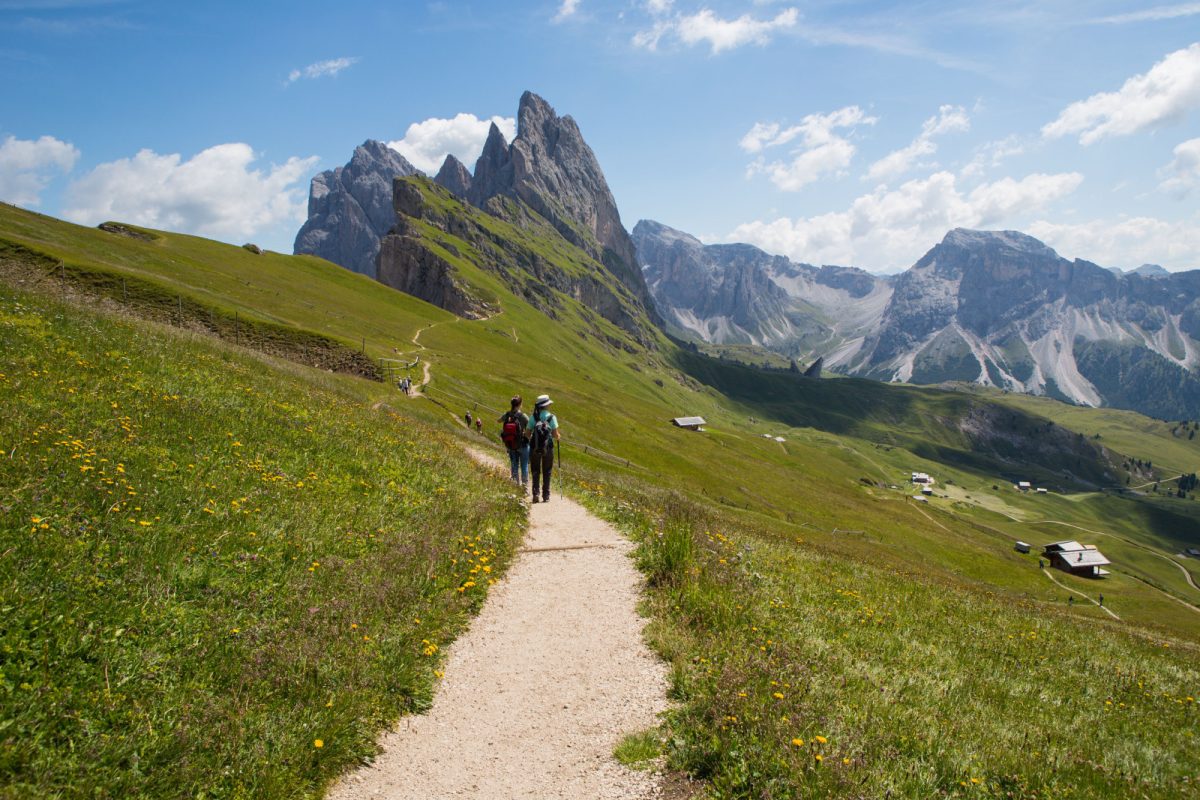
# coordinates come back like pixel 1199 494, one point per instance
pixel 124 293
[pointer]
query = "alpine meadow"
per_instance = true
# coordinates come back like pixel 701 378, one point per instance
pixel 881 484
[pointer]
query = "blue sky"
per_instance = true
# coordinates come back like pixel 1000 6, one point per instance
pixel 832 132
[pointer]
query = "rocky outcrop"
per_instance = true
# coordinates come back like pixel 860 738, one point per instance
pixel 993 307
pixel 528 255
pixel 1002 308
pixel 550 168
pixel 736 293
pixel 455 177
pixel 723 293
pixel 350 208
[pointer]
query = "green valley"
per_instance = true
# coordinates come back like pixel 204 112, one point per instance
pixel 264 548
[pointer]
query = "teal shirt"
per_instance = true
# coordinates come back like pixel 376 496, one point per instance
pixel 536 416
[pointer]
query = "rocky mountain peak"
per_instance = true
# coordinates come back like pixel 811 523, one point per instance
pixel 647 230
pixel 552 169
pixel 454 176
pixel 1010 241
pixel 350 207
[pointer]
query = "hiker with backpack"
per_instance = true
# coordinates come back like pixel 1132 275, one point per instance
pixel 543 433
pixel 513 424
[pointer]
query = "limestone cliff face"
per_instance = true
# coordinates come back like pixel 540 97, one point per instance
pixel 550 168
pixel 350 208
pixel 524 250
pixel 407 261
pixel 736 293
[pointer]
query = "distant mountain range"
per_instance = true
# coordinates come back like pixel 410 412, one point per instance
pixel 998 308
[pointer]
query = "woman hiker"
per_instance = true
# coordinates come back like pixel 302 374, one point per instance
pixel 543 433
pixel 513 424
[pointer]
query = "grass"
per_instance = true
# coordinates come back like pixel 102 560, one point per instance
pixel 218 578
pixel 639 750
pixel 799 673
pixel 757 535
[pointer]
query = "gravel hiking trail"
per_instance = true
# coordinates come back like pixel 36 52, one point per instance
pixel 547 680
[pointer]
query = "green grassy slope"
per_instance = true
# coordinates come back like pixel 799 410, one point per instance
pixel 219 577
pixel 821 497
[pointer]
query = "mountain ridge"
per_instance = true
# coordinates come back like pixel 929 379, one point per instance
pixel 999 308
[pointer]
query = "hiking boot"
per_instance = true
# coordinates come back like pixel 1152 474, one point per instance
pixel 535 498
pixel 545 498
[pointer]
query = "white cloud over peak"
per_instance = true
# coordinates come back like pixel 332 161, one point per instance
pixel 1126 242
pixel 949 119
pixel 321 69
pixel 27 165
pixel 821 150
pixel 215 193
pixel 1183 173
pixel 1152 14
pixel 426 144
pixel 891 228
pixel 706 27
pixel 566 10
pixel 1165 94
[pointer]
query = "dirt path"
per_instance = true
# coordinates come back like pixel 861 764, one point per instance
pixel 1105 609
pixel 536 694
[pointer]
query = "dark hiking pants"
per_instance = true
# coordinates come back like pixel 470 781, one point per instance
pixel 540 464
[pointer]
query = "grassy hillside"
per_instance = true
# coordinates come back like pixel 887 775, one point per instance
pixel 827 508
pixel 219 577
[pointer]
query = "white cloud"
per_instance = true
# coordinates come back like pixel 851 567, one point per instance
pixel 706 27
pixel 567 9
pixel 949 119
pixel 27 165
pixel 1183 173
pixel 1152 14
pixel 659 7
pixel 992 154
pixel 322 69
pixel 821 150
pixel 890 229
pixel 426 144
pixel 1164 94
pixel 1126 242
pixel 216 193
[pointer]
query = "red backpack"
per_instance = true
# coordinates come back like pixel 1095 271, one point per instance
pixel 510 432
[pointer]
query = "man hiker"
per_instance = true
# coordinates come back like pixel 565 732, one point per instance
pixel 543 433
pixel 513 432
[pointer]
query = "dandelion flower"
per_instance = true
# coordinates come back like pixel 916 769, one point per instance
pixel 821 739
pixel 798 742
pixel 819 758
pixel 318 743
pixel 778 695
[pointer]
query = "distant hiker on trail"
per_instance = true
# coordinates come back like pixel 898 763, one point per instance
pixel 467 417
pixel 479 424
pixel 513 432
pixel 543 433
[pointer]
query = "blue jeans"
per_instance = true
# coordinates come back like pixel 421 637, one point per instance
pixel 520 456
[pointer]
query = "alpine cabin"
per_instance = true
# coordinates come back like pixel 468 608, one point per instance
pixel 1078 559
